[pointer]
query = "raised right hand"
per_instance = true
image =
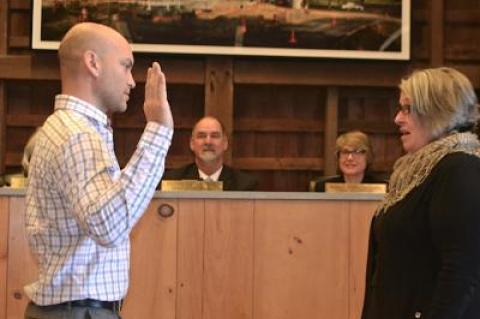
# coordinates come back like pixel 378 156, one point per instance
pixel 156 106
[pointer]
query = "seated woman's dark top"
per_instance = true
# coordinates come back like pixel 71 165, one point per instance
pixel 320 183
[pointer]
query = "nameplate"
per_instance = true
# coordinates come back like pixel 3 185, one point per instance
pixel 191 185
pixel 378 188
pixel 16 181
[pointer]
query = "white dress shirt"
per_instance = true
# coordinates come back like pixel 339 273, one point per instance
pixel 210 178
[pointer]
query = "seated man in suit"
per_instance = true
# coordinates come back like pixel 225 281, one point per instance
pixel 209 142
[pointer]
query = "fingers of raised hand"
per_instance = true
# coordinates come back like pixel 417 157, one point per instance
pixel 152 85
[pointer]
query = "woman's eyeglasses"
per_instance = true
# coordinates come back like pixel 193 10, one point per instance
pixel 353 153
pixel 404 109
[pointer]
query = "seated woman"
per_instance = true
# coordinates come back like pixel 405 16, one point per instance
pixel 354 155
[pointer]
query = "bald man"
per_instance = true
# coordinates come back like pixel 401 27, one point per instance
pixel 81 207
pixel 209 143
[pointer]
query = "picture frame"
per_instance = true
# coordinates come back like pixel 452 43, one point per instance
pixel 346 29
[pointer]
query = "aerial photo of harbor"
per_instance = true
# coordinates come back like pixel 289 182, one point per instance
pixel 308 24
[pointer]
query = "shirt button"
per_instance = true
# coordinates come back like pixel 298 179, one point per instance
pixel 418 314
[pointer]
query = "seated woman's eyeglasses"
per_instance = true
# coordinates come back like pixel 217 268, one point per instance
pixel 404 109
pixel 354 153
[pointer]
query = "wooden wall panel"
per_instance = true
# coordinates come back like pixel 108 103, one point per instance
pixel 4 217
pixel 18 138
pixel 420 32
pixel 40 65
pixel 321 72
pixel 285 180
pixel 222 258
pixel 219 96
pixel 186 101
pixel 153 272
pixel 331 131
pixel 372 111
pixel 20 26
pixel 278 127
pixel 274 108
pixel 3 26
pixel 459 5
pixel 3 125
pixel 228 277
pixel 19 97
pixel 20 4
pixel 19 254
pixel 461 44
pixel 360 214
pixel 190 261
pixel 437 15
pixel 28 104
pixel 293 263
pixel 4 7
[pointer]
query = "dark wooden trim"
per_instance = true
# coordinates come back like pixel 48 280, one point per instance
pixel 25 120
pixel 19 42
pixel 14 159
pixel 278 125
pixel 369 126
pixel 462 17
pixel 315 72
pixel 437 32
pixel 175 161
pixel 177 70
pixel 279 164
pixel 382 166
pixel 139 123
pixel 219 95
pixel 331 131
pixel 20 4
pixel 420 16
pixel 3 140
pixel 3 27
pixel 472 71
pixel 44 66
pixel 4 5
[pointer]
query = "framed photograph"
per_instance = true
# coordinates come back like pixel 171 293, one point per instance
pixel 353 29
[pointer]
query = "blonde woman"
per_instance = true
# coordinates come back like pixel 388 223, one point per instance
pixel 424 250
pixel 354 156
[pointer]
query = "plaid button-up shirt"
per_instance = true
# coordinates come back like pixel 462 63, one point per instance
pixel 81 207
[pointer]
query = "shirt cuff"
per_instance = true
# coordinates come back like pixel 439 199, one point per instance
pixel 157 136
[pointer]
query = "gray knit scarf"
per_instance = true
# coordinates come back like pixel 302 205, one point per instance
pixel 411 170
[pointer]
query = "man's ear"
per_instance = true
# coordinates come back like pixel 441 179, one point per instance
pixel 191 143
pixel 225 142
pixel 92 63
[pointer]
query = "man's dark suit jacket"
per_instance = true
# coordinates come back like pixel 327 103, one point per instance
pixel 233 180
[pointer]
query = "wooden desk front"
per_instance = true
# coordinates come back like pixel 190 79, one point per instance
pixel 232 255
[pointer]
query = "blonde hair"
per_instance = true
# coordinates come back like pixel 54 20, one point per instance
pixel 357 140
pixel 443 98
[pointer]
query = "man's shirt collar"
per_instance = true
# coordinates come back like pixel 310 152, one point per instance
pixel 68 102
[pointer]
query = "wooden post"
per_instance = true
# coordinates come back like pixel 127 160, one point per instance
pixel 3 98
pixel 331 130
pixel 437 33
pixel 3 126
pixel 3 27
pixel 4 223
pixel 219 95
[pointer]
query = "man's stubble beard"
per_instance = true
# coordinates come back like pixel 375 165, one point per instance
pixel 208 156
